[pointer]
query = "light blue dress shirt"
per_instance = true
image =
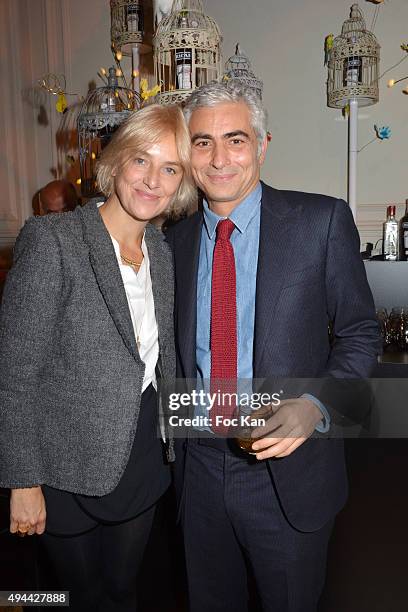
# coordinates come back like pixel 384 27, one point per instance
pixel 245 242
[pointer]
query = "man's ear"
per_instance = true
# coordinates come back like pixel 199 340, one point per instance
pixel 264 148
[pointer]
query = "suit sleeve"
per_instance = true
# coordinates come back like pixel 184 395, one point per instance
pixel 356 338
pixel 28 320
pixel 350 303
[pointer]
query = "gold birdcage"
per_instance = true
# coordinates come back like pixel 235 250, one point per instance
pixel 186 51
pixel 353 64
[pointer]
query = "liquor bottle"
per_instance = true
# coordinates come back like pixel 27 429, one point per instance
pixel 183 68
pixel 390 235
pixel 352 70
pixel 132 19
pixel 352 73
pixel 403 234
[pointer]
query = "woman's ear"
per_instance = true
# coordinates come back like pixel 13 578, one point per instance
pixel 116 168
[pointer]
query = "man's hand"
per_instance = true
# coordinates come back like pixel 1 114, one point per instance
pixel 291 425
pixel 27 511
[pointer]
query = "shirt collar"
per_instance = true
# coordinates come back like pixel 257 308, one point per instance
pixel 240 216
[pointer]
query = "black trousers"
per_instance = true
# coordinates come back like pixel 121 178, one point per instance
pixel 100 568
pixel 232 521
pixel 96 544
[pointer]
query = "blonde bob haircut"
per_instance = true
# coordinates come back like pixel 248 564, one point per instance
pixel 138 133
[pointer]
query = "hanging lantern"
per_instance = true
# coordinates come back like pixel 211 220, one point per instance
pixel 239 67
pixel 186 51
pixel 103 110
pixel 353 64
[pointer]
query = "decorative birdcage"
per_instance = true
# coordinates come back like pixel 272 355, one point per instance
pixel 239 67
pixel 127 34
pixel 127 24
pixel 186 51
pixel 353 64
pixel 103 110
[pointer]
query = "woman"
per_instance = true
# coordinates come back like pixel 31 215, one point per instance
pixel 85 326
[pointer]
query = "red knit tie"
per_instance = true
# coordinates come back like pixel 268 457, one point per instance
pixel 223 324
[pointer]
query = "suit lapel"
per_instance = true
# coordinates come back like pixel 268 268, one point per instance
pixel 276 243
pixel 162 282
pixel 105 266
pixel 187 250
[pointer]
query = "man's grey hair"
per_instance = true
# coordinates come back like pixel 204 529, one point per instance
pixel 233 90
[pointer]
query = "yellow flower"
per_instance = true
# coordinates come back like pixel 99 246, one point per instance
pixel 61 104
pixel 148 93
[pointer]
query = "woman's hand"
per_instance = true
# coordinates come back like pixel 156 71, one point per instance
pixel 27 511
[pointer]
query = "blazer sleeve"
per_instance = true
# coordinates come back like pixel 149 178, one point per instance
pixel 345 392
pixel 350 303
pixel 28 322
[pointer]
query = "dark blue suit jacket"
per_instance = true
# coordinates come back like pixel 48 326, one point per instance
pixel 309 273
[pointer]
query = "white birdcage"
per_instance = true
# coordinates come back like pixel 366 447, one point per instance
pixel 127 24
pixel 186 51
pixel 103 110
pixel 353 64
pixel 239 67
pixel 127 34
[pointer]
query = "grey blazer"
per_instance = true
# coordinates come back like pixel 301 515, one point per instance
pixel 70 372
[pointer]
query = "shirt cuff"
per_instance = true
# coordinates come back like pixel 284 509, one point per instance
pixel 323 426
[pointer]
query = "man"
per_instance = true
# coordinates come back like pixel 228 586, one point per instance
pixel 293 263
pixel 56 197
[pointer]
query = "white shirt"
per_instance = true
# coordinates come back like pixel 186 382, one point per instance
pixel 139 295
